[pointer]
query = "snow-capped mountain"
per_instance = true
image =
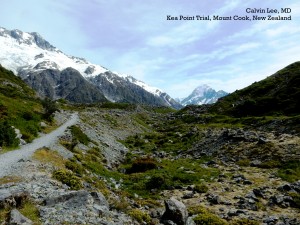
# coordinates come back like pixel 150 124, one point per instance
pixel 203 95
pixel 57 75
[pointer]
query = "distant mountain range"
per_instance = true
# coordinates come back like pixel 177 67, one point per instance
pixel 56 75
pixel 202 95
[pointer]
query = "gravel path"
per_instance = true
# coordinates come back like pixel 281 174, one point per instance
pixel 8 159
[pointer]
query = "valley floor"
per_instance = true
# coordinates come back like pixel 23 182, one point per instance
pixel 117 166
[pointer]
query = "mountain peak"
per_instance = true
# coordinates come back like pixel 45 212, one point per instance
pixel 33 38
pixel 203 94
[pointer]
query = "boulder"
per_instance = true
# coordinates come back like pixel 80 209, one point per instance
pixel 213 199
pixel 71 199
pixel 16 218
pixel 12 199
pixel 175 213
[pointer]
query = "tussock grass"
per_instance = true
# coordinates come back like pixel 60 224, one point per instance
pixel 10 179
pixel 45 155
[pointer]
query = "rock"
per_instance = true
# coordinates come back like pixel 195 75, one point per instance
pixel 251 195
pixel 188 195
pixel 296 186
pixel 16 218
pixel 71 198
pixel 43 124
pixel 190 221
pixel 175 211
pixel 282 201
pixel 235 212
pixel 213 199
pixel 255 163
pixel 12 199
pixel 258 193
pixel 246 204
pixel 247 182
pixel 262 140
pixel 99 199
pixel 239 178
pixel 271 220
pixel 284 188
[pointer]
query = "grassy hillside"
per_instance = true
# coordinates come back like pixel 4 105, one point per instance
pixel 19 107
pixel 278 94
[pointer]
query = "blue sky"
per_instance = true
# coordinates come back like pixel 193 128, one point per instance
pixel 134 37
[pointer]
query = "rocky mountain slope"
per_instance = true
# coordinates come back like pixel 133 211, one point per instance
pixel 203 95
pixel 43 67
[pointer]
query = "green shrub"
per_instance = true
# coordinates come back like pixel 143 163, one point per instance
pixel 290 171
pixel 244 221
pixel 269 164
pixel 157 181
pixel 8 137
pixel 79 135
pixel 140 216
pixel 243 162
pixel 196 209
pixel 74 166
pixel 201 188
pixel 142 165
pixel 68 178
pixel 50 107
pixel 296 198
pixel 209 219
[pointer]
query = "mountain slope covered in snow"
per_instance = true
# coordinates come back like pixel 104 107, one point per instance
pixel 44 67
pixel 203 95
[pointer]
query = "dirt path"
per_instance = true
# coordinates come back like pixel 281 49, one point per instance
pixel 25 152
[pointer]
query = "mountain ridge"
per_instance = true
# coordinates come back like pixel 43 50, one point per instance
pixel 28 54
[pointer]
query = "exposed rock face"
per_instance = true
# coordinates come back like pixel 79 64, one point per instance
pixel 67 84
pixel 12 198
pixel 120 89
pixel 175 211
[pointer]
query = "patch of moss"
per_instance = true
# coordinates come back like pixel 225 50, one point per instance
pixel 209 219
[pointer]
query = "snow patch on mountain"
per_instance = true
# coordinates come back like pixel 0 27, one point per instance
pixel 20 50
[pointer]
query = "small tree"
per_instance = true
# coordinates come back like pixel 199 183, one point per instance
pixel 8 136
pixel 50 107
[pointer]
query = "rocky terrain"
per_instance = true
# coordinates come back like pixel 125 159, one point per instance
pixel 224 176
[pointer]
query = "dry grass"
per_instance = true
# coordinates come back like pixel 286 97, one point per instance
pixel 10 179
pixel 46 155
